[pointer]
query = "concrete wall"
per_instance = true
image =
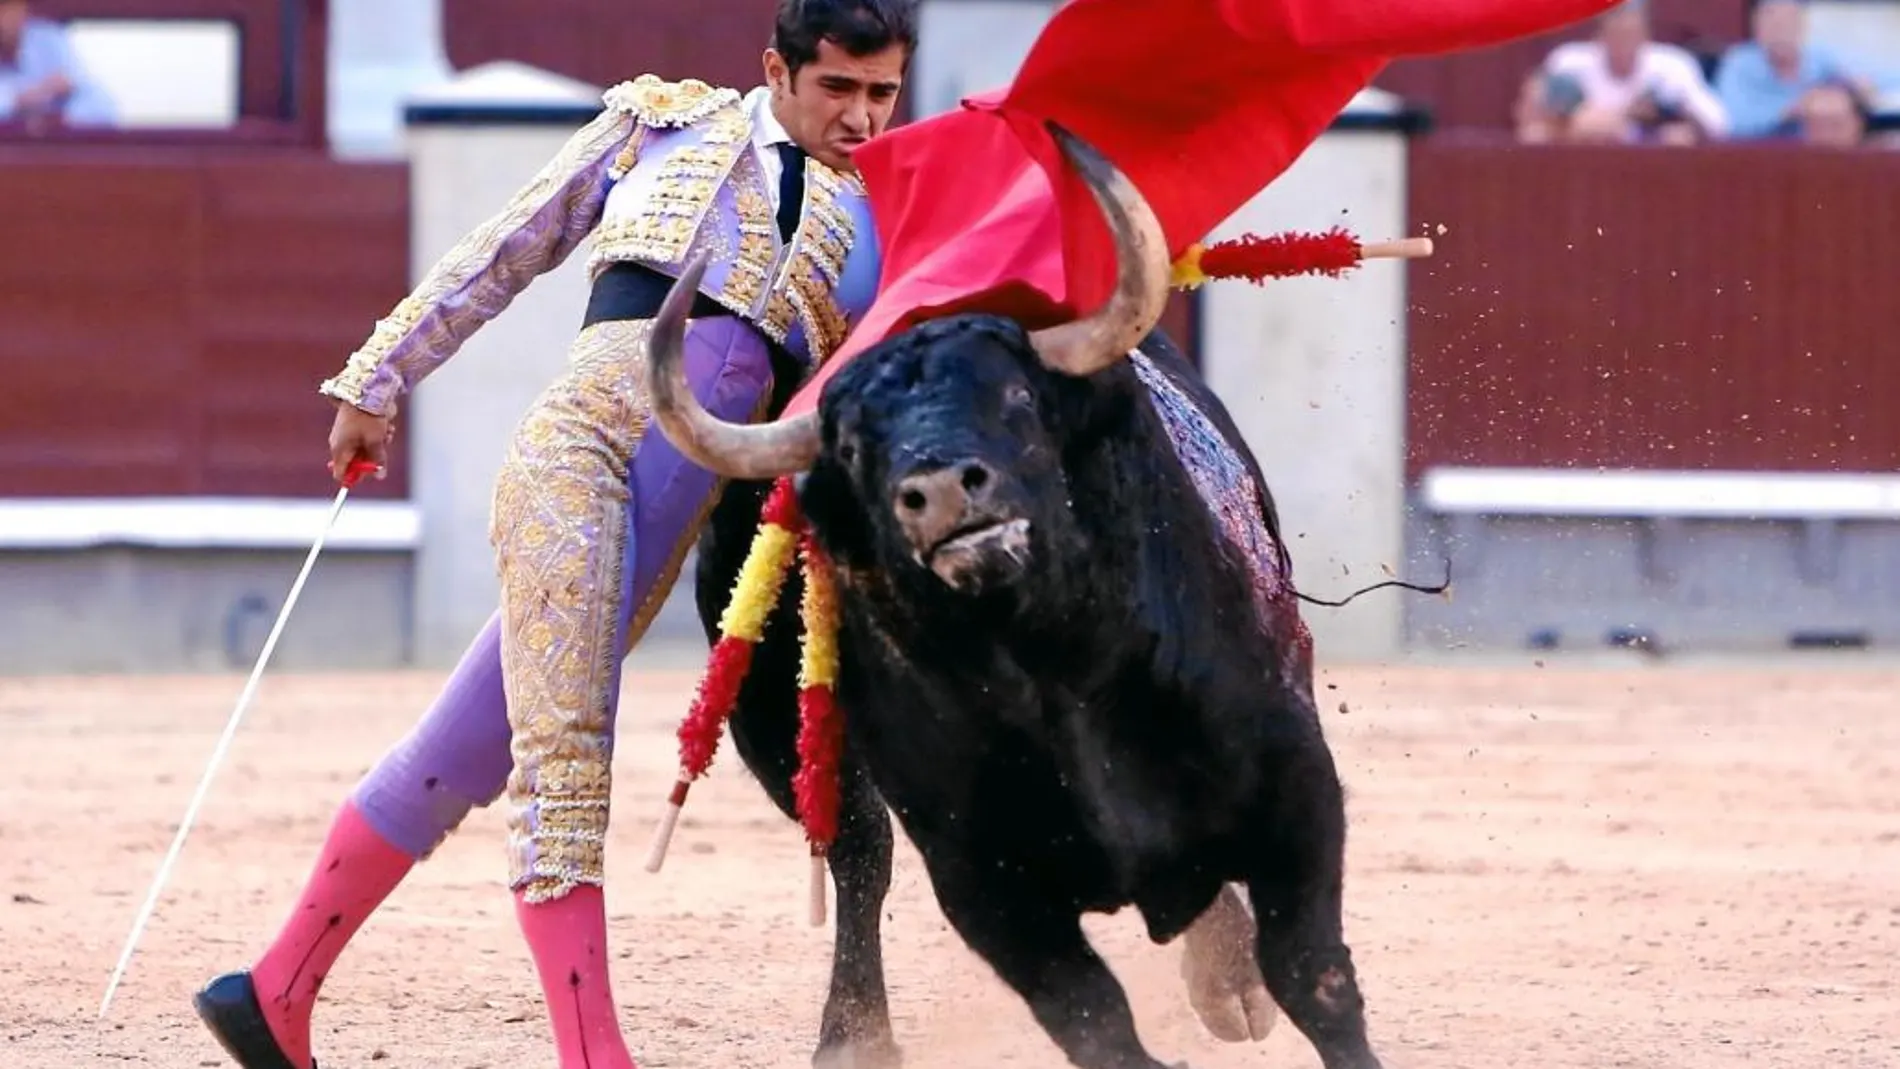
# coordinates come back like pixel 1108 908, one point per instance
pixel 470 149
pixel 160 584
pixel 1665 560
pixel 1313 370
pixel 379 53
pixel 1663 584
pixel 147 609
pixel 970 46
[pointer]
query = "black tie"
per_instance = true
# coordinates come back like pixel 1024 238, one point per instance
pixel 791 188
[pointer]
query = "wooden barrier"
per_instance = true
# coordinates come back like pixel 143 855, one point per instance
pixel 167 333
pixel 1722 308
pixel 1718 308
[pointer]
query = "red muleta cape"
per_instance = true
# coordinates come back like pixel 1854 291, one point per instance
pixel 1202 103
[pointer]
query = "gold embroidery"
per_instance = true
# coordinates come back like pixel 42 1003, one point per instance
pixel 685 186
pixel 656 102
pixel 476 279
pixel 751 264
pixel 730 128
pixel 776 322
pixel 824 322
pixel 559 527
pixel 629 156
pixel 806 289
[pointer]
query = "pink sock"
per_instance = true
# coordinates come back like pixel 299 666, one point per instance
pixel 355 872
pixel 568 938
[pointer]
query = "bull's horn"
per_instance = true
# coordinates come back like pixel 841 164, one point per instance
pixel 733 450
pixel 1088 345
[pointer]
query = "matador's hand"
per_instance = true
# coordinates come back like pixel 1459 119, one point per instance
pixel 357 434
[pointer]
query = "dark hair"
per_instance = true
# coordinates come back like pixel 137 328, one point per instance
pixel 860 27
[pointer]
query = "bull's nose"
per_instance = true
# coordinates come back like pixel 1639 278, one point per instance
pixel 932 504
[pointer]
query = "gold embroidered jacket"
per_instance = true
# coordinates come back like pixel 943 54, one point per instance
pixel 684 144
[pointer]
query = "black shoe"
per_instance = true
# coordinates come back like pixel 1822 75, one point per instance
pixel 229 1008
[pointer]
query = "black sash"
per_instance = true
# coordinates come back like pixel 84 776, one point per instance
pixel 636 291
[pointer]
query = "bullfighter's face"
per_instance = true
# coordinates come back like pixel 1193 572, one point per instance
pixel 836 102
pixel 942 457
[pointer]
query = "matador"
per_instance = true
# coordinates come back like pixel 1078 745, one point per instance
pixel 592 512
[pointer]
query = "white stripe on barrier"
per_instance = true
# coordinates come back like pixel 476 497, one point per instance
pixel 1685 494
pixel 204 523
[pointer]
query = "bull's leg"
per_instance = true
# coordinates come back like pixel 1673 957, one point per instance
pixel 1297 896
pixel 1039 949
pixel 855 1030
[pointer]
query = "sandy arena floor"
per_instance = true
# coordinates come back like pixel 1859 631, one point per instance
pixel 1681 868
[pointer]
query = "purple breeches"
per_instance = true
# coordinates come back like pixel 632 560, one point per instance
pixel 594 513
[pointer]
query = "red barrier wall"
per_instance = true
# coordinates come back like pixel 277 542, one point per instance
pixel 607 41
pixel 1733 312
pixel 1720 307
pixel 179 306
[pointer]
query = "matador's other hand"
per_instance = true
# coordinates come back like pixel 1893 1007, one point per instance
pixel 359 435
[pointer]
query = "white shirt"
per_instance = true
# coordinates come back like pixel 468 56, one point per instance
pixel 1668 70
pixel 767 135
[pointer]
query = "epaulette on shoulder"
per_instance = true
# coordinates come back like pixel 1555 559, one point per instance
pixel 657 102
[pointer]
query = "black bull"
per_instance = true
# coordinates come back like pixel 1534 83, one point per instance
pixel 1053 668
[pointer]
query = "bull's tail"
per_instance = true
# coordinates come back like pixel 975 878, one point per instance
pixel 1441 588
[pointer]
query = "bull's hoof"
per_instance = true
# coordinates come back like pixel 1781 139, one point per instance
pixel 880 1053
pixel 1235 1017
pixel 1224 985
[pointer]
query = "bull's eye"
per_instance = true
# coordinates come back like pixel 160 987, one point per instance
pixel 1018 396
pixel 848 452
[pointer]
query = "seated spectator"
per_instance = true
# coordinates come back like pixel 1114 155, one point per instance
pixel 1620 86
pixel 1766 81
pixel 1831 116
pixel 41 83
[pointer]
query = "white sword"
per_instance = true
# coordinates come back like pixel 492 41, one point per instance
pixel 356 471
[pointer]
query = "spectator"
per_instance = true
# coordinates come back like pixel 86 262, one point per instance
pixel 1766 82
pixel 41 82
pixel 1620 86
pixel 1831 116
